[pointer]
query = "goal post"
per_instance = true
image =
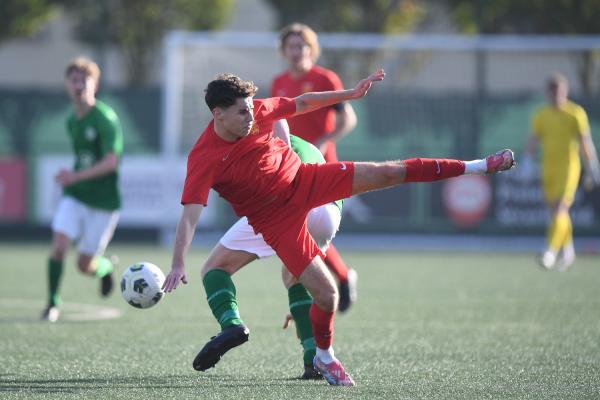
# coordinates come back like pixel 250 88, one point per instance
pixel 444 95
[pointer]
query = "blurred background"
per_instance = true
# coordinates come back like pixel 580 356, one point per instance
pixel 464 77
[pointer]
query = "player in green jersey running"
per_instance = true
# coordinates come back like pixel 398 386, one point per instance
pixel 89 208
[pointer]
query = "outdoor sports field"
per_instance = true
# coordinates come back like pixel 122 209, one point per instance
pixel 427 326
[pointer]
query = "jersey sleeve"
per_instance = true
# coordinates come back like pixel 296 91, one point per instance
pixel 274 108
pixel 111 134
pixel 581 118
pixel 198 180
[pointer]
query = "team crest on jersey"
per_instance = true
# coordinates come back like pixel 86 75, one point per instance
pixel 307 87
pixel 86 159
pixel 90 133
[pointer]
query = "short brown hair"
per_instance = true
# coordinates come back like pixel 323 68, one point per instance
pixel 85 65
pixel 306 33
pixel 225 89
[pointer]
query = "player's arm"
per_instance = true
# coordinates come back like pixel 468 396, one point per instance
pixel 183 238
pixel 591 164
pixel 312 101
pixel 106 165
pixel 281 129
pixel 345 121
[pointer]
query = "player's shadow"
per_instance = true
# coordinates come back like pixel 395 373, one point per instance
pixel 11 383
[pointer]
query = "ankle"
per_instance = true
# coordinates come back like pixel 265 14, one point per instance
pixel 326 355
pixel 476 167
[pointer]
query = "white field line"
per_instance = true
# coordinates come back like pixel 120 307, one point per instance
pixel 69 311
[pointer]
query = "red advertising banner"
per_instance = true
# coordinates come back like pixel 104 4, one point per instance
pixel 12 189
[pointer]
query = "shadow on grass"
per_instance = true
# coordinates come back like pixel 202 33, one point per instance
pixel 11 383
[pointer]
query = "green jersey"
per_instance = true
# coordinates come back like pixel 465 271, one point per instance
pixel 309 154
pixel 92 137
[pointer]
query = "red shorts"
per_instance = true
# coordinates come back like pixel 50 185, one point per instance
pixel 284 228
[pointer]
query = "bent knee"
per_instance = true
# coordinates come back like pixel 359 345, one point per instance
pixel 287 278
pixel 58 254
pixel 85 265
pixel 327 299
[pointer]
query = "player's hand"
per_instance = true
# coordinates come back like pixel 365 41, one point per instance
pixel 363 86
pixel 288 320
pixel 172 280
pixel 591 179
pixel 65 177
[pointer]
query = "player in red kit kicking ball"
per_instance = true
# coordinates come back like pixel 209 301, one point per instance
pixel 299 46
pixel 265 181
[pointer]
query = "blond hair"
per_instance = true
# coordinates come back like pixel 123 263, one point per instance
pixel 555 80
pixel 306 33
pixel 85 65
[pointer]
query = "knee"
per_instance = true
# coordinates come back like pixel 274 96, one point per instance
pixel 328 298
pixel 333 299
pixel 84 265
pixel 211 267
pixel 59 250
pixel 206 268
pixel 323 224
pixel 58 254
pixel 287 278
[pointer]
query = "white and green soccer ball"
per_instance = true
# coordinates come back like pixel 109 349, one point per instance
pixel 141 285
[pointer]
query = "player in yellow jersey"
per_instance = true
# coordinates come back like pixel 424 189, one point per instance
pixel 562 131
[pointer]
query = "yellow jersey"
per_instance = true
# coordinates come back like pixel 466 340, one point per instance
pixel 559 131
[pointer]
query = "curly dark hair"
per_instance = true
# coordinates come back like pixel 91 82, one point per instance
pixel 225 89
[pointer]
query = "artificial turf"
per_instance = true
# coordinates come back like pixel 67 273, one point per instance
pixel 426 326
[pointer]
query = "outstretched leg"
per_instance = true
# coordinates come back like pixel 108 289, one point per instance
pixel 370 176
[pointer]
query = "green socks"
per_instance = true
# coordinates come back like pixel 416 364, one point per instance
pixel 55 269
pixel 300 302
pixel 220 294
pixel 103 266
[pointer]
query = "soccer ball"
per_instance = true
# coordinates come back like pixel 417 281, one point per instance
pixel 141 285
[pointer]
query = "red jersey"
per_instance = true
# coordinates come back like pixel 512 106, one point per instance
pixel 314 125
pixel 250 173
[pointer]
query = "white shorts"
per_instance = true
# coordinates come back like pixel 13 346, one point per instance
pixel 323 223
pixel 92 227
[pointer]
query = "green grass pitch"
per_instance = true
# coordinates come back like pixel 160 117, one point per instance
pixel 426 326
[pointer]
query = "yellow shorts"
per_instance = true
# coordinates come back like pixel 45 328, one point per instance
pixel 560 185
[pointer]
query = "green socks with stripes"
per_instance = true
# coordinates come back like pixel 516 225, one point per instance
pixel 300 302
pixel 55 269
pixel 220 294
